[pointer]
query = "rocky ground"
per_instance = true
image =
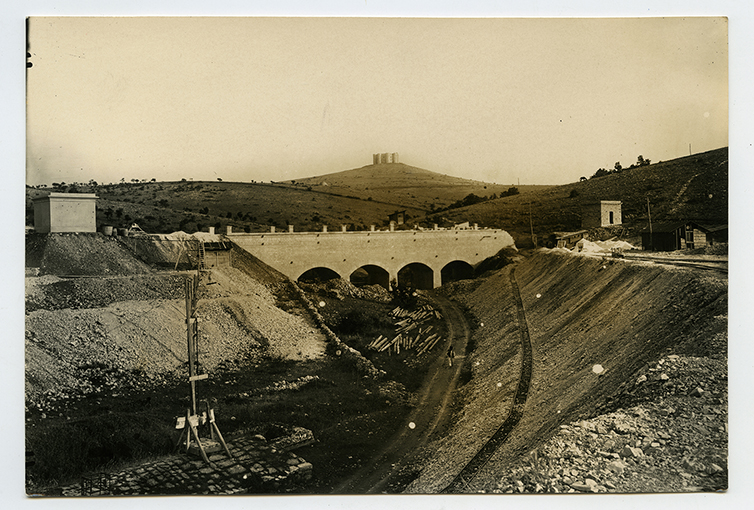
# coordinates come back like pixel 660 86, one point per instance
pixel 666 429
pixel 669 435
pixel 86 335
pixel 655 421
pixel 629 391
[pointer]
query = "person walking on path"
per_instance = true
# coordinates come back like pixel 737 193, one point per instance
pixel 451 355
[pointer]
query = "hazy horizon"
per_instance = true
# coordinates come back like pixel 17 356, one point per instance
pixel 500 100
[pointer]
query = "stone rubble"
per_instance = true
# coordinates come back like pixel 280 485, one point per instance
pixel 669 444
pixel 257 466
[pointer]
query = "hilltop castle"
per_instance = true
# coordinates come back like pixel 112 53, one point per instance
pixel 385 157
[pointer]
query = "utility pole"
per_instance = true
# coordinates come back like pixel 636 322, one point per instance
pixel 193 420
pixel 649 215
pixel 531 227
pixel 192 334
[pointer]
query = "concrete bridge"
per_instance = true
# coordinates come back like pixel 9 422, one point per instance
pixel 423 259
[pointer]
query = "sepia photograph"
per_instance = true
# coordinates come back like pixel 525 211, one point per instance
pixel 369 255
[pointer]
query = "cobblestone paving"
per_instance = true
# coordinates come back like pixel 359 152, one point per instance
pixel 256 467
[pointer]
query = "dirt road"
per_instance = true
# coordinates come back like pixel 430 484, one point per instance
pixel 387 472
pixel 499 437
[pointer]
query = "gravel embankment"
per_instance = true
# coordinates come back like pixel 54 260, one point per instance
pixel 667 433
pixel 108 343
pixel 675 440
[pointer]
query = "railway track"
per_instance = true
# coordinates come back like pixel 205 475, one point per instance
pixel 517 410
pixel 720 266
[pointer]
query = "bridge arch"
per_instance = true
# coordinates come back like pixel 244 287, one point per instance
pixel 417 275
pixel 318 274
pixel 456 270
pixel 370 274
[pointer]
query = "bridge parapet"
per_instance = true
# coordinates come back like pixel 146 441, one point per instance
pixel 294 253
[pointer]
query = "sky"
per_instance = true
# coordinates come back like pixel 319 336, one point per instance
pixel 530 101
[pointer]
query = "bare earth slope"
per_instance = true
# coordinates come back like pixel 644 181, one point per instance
pixel 631 318
pixel 86 334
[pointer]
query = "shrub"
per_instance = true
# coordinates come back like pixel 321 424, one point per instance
pixel 67 449
pixel 357 321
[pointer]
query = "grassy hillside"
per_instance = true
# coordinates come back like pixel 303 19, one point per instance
pixel 404 184
pixel 163 207
pixel 689 188
pixel 357 198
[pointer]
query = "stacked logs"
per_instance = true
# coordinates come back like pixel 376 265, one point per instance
pixel 411 332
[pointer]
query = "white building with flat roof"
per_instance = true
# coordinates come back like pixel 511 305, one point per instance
pixel 65 212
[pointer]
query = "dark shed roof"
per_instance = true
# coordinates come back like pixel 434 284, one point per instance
pixel 711 228
pixel 665 226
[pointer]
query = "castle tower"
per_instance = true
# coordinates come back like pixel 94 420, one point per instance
pixel 384 158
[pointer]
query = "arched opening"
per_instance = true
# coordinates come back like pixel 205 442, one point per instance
pixel 456 270
pixel 417 276
pixel 318 274
pixel 370 275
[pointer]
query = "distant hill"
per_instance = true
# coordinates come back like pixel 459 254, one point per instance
pixel 690 188
pixel 357 198
pixel 405 184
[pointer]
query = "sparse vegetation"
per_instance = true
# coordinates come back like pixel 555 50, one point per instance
pixel 350 415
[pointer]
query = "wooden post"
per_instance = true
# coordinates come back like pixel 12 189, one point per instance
pixel 195 433
pixel 531 227
pixel 190 340
pixel 214 426
pixel 649 215
pixel 211 418
pixel 187 428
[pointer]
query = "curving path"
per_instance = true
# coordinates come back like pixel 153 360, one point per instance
pixel 383 473
pixel 501 435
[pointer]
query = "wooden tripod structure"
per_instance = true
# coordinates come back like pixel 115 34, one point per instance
pixel 191 422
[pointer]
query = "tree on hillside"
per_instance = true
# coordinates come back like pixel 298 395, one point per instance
pixel 618 167
pixel 640 161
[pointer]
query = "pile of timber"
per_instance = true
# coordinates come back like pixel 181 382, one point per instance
pixel 410 332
